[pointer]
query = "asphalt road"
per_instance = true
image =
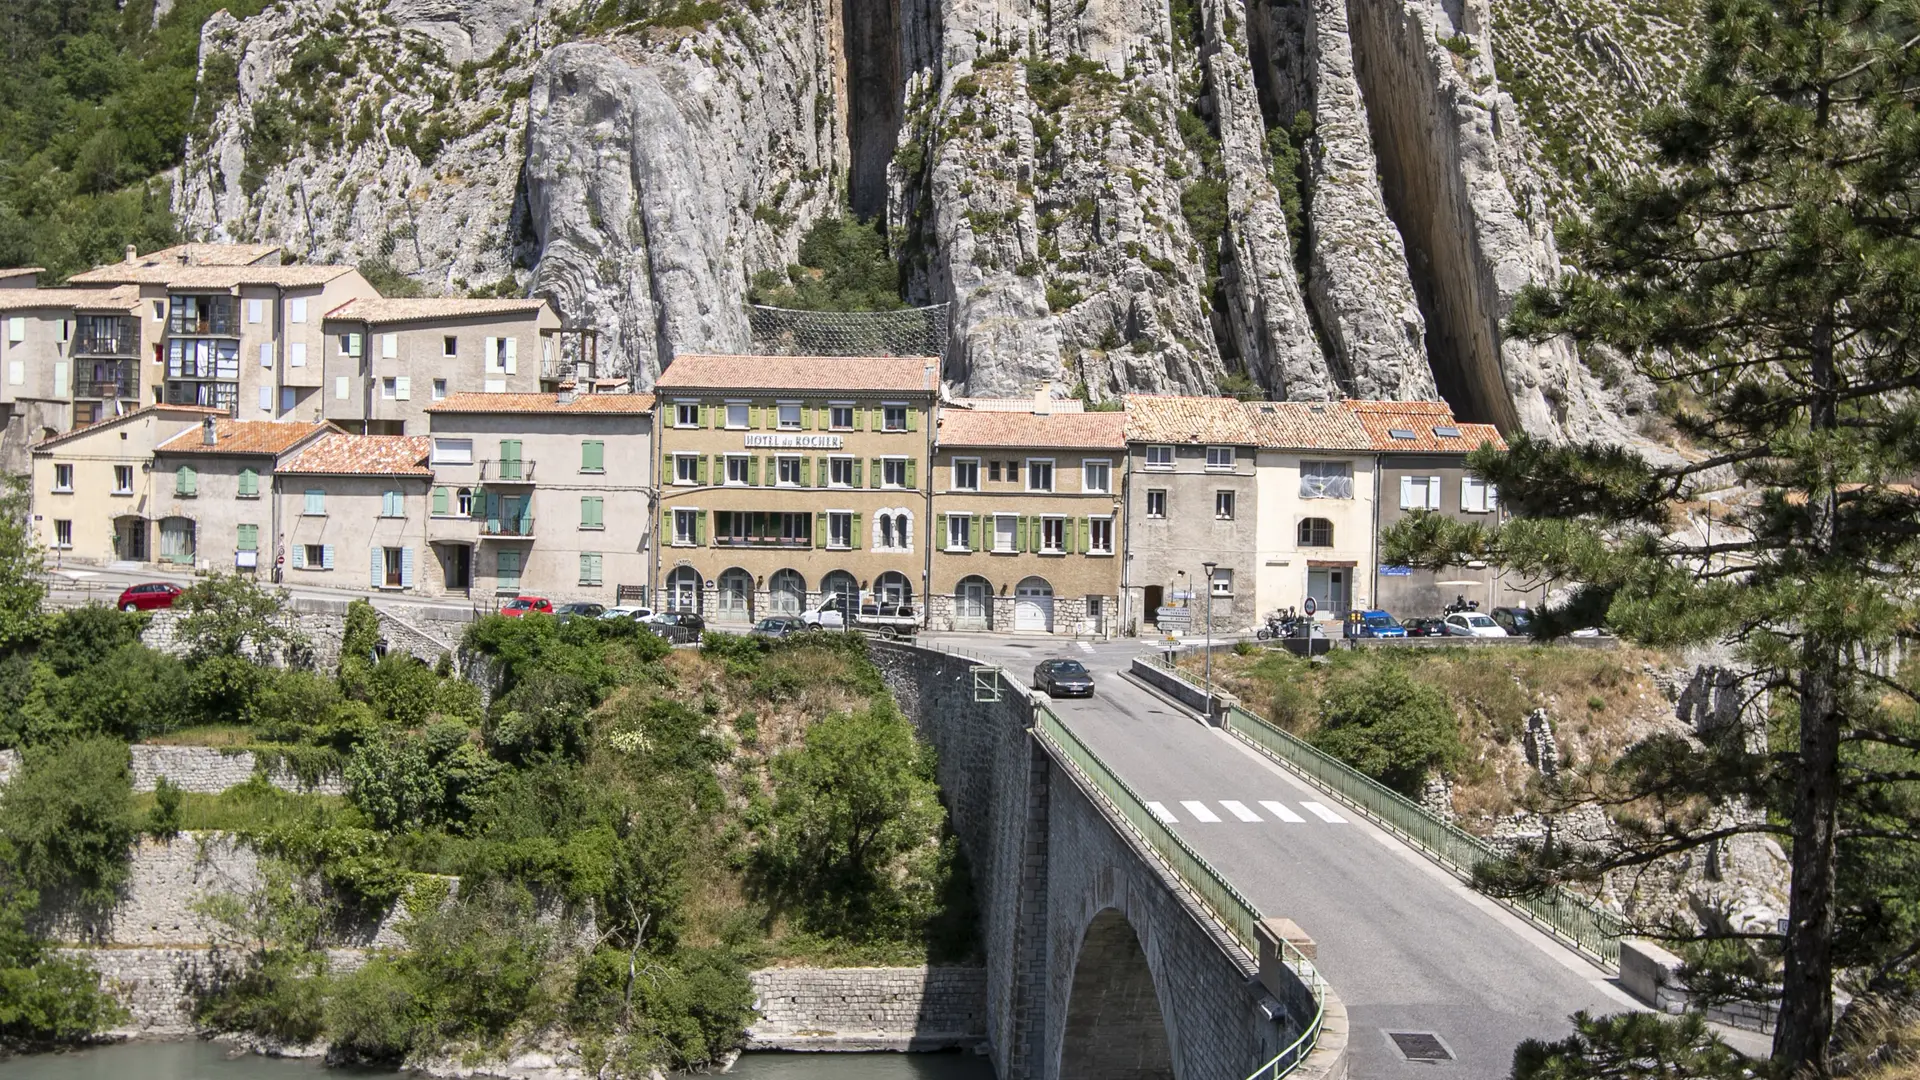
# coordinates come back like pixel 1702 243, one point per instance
pixel 1406 946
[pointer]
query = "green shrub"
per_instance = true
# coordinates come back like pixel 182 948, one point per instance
pixel 370 1014
pixel 45 999
pixel 402 689
pixel 294 706
pixel 1388 726
pixel 163 821
pixel 68 817
pixel 545 713
pixel 431 779
pixel 83 637
pixel 844 266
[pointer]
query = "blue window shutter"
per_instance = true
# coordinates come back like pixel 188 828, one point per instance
pixel 406 567
pixel 377 561
pixel 326 557
pixel 299 556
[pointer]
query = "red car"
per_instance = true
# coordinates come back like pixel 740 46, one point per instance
pixel 154 594
pixel 527 605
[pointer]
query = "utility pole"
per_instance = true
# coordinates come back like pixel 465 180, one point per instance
pixel 1209 568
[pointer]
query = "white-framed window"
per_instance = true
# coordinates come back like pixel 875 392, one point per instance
pixel 1156 502
pixel 316 556
pixel 123 479
pixel 63 478
pixel 1006 532
pixel 893 530
pixel 1159 457
pixel 839 529
pixel 439 389
pixel 390 387
pixel 1039 474
pixel 686 414
pixel 789 470
pixel 893 418
pixel 1053 535
pixel 686 527
pixel 1419 493
pixel 959 532
pixel 1223 506
pixel 840 416
pixel 1100 536
pixel 1316 532
pixel 840 472
pixel 893 472
pixel 450 346
pixel 1096 476
pixel 1222 582
pixel 1477 496
pixel 1326 480
pixel 63 534
pixel 686 468
pixel 463 502
pixel 789 416
pixel 739 414
pixel 452 451
pixel 966 474
pixel 739 468
pixel 1219 458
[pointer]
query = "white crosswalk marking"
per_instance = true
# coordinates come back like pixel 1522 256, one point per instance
pixel 1239 810
pixel 1163 813
pixel 1323 813
pixel 1085 647
pixel 1280 811
pixel 1199 810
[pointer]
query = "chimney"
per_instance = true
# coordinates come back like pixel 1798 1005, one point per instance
pixel 1042 402
pixel 186 255
pixel 565 397
pixel 207 436
pixel 133 255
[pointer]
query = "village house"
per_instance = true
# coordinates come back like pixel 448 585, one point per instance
pixel 352 511
pixel 213 493
pixel 389 360
pixel 93 490
pixel 72 356
pixel 1191 499
pixel 1315 523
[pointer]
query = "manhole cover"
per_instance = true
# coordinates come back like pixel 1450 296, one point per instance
pixel 1420 1046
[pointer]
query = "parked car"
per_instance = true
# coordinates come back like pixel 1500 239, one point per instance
pixel 584 609
pixel 154 594
pixel 779 626
pixel 638 614
pixel 1516 621
pixel 827 616
pixel 1472 624
pixel 1377 624
pixel 527 605
pixel 1063 678
pixel 678 627
pixel 892 619
pixel 1427 627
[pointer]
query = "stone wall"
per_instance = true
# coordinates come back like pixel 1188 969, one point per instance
pixel 868 1008
pixel 324 622
pixel 210 771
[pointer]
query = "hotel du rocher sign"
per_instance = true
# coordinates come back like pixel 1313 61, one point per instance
pixel 792 441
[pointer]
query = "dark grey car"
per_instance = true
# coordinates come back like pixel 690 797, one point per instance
pixel 679 627
pixel 779 626
pixel 1063 678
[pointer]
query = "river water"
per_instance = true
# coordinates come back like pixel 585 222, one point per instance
pixel 197 1060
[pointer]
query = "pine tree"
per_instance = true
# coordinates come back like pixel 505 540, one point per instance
pixel 1764 271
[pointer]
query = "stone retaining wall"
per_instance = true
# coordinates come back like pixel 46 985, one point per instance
pixel 869 1008
pixel 208 770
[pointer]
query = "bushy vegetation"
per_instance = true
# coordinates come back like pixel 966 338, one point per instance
pixel 844 266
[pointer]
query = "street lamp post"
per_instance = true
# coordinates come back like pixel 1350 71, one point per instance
pixel 1209 567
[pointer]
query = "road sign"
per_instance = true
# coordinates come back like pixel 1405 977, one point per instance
pixel 1310 606
pixel 1180 595
pixel 1173 616
pixel 1396 571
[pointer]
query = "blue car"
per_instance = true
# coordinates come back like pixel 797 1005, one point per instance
pixel 1378 624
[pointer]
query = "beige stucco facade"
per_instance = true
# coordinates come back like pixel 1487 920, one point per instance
pixel 1315 538
pixel 386 370
pixel 108 501
pixel 360 543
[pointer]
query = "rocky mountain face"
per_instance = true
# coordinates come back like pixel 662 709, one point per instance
pixel 1320 197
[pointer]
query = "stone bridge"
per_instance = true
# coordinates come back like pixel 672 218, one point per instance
pixel 1099 962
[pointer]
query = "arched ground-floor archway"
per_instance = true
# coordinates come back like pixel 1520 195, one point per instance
pixel 1114 1028
pixel 973 603
pixel 786 592
pixel 844 590
pixel 892 590
pixel 130 537
pixel 682 590
pixel 733 598
pixel 179 540
pixel 1033 605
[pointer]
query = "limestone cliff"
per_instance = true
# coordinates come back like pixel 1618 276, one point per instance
pixel 1316 197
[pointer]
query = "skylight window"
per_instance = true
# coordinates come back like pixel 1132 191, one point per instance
pixel 1447 432
pixel 1402 433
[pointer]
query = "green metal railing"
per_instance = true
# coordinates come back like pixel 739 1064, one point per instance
pixel 1592 931
pixel 1234 911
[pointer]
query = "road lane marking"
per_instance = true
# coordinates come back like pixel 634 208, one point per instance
pixel 1163 813
pixel 1084 647
pixel 1199 810
pixel 1323 813
pixel 1280 811
pixel 1239 810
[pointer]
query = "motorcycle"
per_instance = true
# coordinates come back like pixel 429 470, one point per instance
pixel 1280 623
pixel 1461 603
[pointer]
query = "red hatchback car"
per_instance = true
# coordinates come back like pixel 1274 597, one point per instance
pixel 155 594
pixel 527 605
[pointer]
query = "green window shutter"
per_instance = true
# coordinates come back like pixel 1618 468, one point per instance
pixel 593 455
pixel 913 419
pixel 973 527
pixel 857 466
pixel 249 482
pixel 806 472
pixel 756 417
pixel 666 529
pixel 939 531
pixel 820 528
pixel 182 480
pixel 1086 537
pixel 700 527
pixel 440 500
pixel 753 472
pixel 806 418
pixel 702 470
pixel 912 480
pixel 248 538
pixel 856 532
pixel 877 471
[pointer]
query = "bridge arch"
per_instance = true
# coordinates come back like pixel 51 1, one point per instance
pixel 1115 1028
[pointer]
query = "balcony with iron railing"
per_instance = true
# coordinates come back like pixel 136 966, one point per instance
pixel 107 381
pixel 112 339
pixel 507 528
pixel 215 395
pixel 507 470
pixel 791 543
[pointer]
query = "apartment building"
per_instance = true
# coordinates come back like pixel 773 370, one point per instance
pixel 1191 498
pixel 784 479
pixel 71 356
pixel 1422 453
pixel 1314 531
pixel 1026 517
pixel 352 511
pixel 389 360
pixel 213 492
pixel 549 494
pixel 93 491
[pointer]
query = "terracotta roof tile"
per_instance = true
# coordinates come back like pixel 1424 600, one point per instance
pixel 1166 418
pixel 20 271
pixel 341 454
pixel 543 403
pixel 121 298
pixel 184 412
pixel 803 374
pixel 213 254
pixel 1065 431
pixel 1423 427
pixel 176 276
pixel 375 309
pixel 1307 425
pixel 264 437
